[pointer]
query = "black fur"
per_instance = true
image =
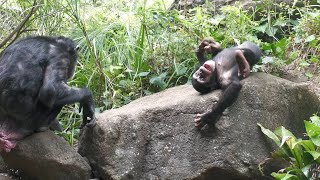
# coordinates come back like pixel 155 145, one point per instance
pixel 33 76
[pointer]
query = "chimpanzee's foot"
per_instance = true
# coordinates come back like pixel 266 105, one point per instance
pixel 198 122
pixel 8 140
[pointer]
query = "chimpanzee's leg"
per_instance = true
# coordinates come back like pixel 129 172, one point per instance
pixel 244 67
pixel 47 119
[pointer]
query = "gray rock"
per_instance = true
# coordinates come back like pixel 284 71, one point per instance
pixel 4 176
pixel 154 137
pixel 47 156
pixel 3 166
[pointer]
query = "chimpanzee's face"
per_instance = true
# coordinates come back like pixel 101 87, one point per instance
pixel 205 73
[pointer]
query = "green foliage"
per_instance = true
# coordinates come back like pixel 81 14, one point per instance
pixel 302 154
pixel 292 36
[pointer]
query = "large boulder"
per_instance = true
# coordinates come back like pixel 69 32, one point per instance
pixel 47 156
pixel 154 137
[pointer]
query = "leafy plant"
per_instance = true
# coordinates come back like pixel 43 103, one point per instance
pixel 302 154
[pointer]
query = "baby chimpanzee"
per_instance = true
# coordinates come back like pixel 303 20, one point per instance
pixel 222 72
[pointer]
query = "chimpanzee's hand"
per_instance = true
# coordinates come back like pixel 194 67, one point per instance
pixel 208 45
pixel 243 72
pixel 203 119
pixel 88 114
pixel 199 122
pixel 203 45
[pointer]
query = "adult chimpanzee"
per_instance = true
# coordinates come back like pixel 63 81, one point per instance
pixel 33 87
pixel 222 72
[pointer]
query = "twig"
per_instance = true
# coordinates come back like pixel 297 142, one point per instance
pixel 3 2
pixel 20 26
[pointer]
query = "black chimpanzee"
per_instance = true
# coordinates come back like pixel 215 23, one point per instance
pixel 222 72
pixel 33 87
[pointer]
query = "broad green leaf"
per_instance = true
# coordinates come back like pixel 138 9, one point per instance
pixel 310 38
pixel 282 44
pixel 159 80
pixel 315 119
pixel 294 55
pixel 313 132
pixel 286 139
pixel 280 176
pixel 297 172
pixel 262 28
pixel 314 59
pixel 290 139
pixel 280 22
pixel 266 46
pixel 216 20
pixel 297 40
pixel 283 132
pixel 271 31
pixel 314 154
pixel 181 69
pixel 147 92
pixel 305 170
pixel 114 68
pixel 267 60
pixel 314 43
pixel 163 75
pixel 270 134
pixel 309 75
pixel 143 74
pixel 306 144
pixel 304 63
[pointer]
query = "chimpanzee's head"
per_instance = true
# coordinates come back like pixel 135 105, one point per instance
pixel 203 80
pixel 72 49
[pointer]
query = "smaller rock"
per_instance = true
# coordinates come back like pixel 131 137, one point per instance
pixel 3 166
pixel 47 156
pixel 5 176
pixel 271 165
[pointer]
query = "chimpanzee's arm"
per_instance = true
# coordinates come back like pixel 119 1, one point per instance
pixel 201 57
pixel 244 66
pixel 231 87
pixel 70 95
pixel 55 92
pixel 209 46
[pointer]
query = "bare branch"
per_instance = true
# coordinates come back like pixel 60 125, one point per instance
pixel 20 26
pixel 2 3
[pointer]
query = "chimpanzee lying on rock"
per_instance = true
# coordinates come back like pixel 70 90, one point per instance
pixel 33 87
pixel 222 72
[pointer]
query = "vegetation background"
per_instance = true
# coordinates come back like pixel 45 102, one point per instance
pixel 133 48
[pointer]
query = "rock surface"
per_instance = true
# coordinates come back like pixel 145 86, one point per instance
pixel 154 137
pixel 47 156
pixel 4 176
